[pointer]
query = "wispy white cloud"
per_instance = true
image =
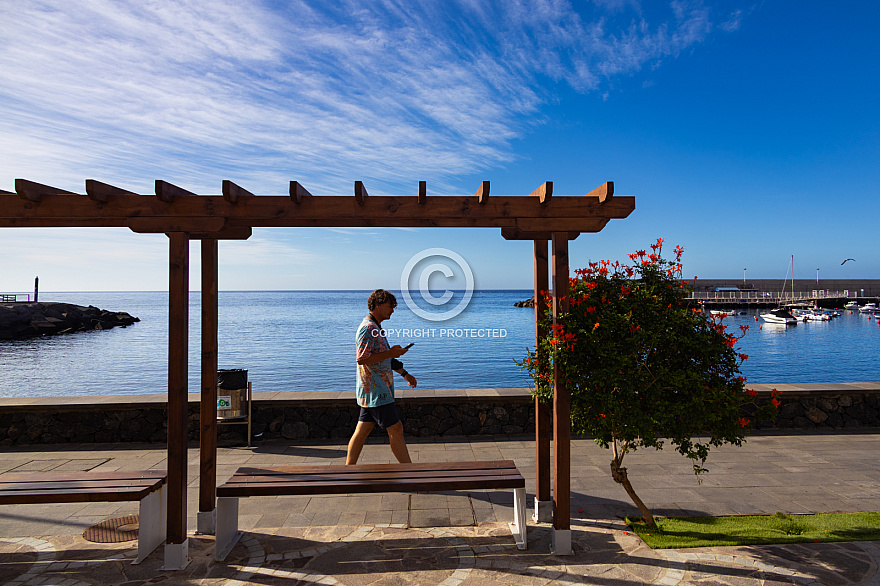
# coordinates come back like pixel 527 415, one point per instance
pixel 261 92
pixel 195 92
pixel 263 250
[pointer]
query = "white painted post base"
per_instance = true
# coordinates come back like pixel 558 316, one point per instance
pixel 543 511
pixel 152 514
pixel 518 528
pixel 206 522
pixel 560 542
pixel 177 555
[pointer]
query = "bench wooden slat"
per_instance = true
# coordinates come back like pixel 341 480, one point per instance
pixel 89 476
pixel 332 475
pixel 415 466
pixel 154 483
pixel 79 495
pixel 370 486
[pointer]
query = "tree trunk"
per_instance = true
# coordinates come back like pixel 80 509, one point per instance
pixel 618 473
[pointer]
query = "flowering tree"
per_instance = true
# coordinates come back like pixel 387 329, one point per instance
pixel 644 368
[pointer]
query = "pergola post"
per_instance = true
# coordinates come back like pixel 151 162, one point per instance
pixel 176 543
pixel 543 413
pixel 207 515
pixel 561 538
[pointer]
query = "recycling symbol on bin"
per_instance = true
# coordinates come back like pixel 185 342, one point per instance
pixel 224 402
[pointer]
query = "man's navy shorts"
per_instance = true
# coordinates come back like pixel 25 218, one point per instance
pixel 384 415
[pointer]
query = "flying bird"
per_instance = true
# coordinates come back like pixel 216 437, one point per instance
pixel 844 262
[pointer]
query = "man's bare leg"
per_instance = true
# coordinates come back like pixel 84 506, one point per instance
pixel 398 444
pixel 356 443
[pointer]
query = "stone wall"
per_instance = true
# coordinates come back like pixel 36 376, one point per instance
pixel 431 413
pixel 827 406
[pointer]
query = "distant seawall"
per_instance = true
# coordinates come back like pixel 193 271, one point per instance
pixel 425 413
pixel 29 320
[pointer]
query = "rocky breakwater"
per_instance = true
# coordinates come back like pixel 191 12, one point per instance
pixel 28 320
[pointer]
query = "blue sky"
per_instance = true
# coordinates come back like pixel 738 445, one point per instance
pixel 748 132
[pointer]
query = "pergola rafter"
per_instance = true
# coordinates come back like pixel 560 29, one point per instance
pixel 184 216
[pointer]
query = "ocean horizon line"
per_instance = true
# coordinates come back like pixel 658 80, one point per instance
pixel 254 290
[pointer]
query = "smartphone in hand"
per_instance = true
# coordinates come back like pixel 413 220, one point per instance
pixel 408 346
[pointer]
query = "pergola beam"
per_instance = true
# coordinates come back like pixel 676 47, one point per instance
pixel 517 234
pixel 580 214
pixel 165 225
pixel 229 233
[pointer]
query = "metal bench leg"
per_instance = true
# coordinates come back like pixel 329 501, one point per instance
pixel 518 527
pixel 151 523
pixel 227 527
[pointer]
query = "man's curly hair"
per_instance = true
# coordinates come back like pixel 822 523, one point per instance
pixel 380 296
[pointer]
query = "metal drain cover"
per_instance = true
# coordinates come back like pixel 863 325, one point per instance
pixel 113 530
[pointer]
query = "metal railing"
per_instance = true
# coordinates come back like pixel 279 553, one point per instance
pixel 13 297
pixel 759 296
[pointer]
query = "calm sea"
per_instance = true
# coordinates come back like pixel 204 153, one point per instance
pixel 304 341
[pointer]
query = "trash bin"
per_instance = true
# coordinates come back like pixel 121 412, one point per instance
pixel 232 393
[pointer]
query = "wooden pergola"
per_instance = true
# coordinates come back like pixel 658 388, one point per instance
pixel 185 216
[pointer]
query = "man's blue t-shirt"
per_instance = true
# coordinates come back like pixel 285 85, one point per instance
pixel 375 383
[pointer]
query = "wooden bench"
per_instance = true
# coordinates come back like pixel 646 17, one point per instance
pixel 146 486
pixel 365 478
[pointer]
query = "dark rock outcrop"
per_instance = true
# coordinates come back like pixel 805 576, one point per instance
pixel 526 303
pixel 29 320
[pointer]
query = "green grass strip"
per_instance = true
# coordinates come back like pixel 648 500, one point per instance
pixel 682 532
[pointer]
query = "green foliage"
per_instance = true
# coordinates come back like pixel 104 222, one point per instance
pixel 681 532
pixel 640 365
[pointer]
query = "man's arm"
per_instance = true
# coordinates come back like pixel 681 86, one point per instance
pixel 394 352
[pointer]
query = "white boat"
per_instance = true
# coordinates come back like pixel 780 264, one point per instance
pixel 852 306
pixel 778 316
pixel 722 312
pixel 868 307
pixel 800 314
pixel 818 316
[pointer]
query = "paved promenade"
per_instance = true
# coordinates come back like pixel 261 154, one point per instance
pixel 462 538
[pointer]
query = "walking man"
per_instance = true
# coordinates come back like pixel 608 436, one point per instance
pixel 375 381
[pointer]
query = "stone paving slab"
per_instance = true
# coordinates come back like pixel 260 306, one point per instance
pixel 604 553
pixel 462 538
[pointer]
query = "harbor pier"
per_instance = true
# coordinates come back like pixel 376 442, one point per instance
pixel 763 293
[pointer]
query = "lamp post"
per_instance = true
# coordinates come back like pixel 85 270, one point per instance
pixel 744 276
pixel 817 277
